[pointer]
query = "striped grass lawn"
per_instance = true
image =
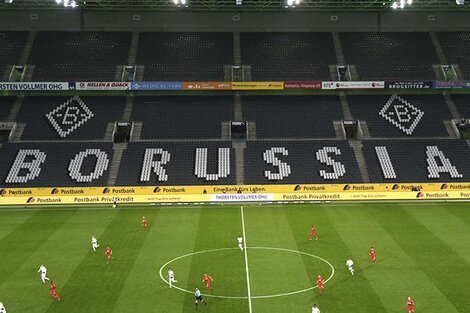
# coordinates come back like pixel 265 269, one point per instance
pixel 423 251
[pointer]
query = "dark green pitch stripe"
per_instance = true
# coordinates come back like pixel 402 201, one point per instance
pixel 445 268
pixel 218 228
pixel 27 238
pixel 87 292
pixel 353 293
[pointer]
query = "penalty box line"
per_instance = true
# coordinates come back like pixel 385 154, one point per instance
pixel 246 260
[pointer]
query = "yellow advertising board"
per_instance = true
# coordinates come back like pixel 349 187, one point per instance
pixel 258 86
pixel 163 194
pixel 179 190
pixel 359 196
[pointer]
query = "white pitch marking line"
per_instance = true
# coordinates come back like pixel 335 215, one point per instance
pixel 245 297
pixel 246 261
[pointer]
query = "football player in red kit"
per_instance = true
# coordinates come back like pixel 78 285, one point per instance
pixel 320 284
pixel 372 255
pixel 410 304
pixel 54 291
pixel 312 233
pixel 208 280
pixel 144 223
pixel 109 253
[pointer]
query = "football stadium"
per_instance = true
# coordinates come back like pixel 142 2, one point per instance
pixel 234 156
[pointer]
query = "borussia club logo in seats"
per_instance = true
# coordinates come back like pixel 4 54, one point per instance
pixel 69 116
pixel 402 114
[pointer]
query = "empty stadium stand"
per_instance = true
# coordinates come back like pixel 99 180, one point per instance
pixel 69 118
pixel 182 117
pixel 456 47
pixel 11 46
pixel 184 56
pixel 288 56
pixel 300 162
pixel 462 103
pixel 6 103
pixel 417 160
pixel 78 56
pixel 390 56
pixel 55 164
pixel 177 163
pixel 292 116
pixel 401 116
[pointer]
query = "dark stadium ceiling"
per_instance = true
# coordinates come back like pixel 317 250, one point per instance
pixel 229 5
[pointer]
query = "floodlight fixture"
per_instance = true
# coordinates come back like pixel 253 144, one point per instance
pixel 292 3
pixel 180 3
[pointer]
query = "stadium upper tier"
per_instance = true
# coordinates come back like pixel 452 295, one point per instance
pixel 288 56
pixel 186 140
pixel 401 116
pixel 209 56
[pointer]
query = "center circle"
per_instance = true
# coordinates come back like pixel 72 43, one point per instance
pixel 249 248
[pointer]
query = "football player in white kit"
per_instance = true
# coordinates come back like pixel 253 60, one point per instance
pixel 315 309
pixel 240 242
pixel 2 308
pixel 350 263
pixel 43 271
pixel 94 243
pixel 171 277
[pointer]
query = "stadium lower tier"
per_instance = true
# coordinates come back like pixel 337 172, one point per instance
pixel 216 163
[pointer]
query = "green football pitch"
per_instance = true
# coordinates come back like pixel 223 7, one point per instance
pixel 423 251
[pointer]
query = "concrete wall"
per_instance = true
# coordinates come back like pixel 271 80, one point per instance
pixel 229 21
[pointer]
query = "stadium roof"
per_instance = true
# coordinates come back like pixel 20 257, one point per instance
pixel 229 5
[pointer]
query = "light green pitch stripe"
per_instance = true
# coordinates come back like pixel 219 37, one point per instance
pixel 451 230
pixel 390 279
pixel 9 221
pixel 172 233
pixel 269 273
pixel 61 254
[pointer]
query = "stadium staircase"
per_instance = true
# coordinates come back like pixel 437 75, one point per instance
pixel 225 130
pixel 440 55
pixel 118 150
pixel 237 107
pixel 18 130
pixel 438 48
pixel 339 130
pixel 16 108
pixel 338 49
pixel 251 130
pixel 237 56
pixel 136 131
pixel 139 69
pixel 25 55
pixel 450 104
pixel 133 48
pixel 333 72
pixel 240 146
pixel 458 71
pixel 345 106
pixel 126 116
pixel 451 129
pixel 353 72
pixel 365 130
pixel 108 135
pixel 361 161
